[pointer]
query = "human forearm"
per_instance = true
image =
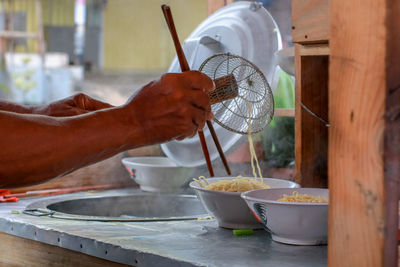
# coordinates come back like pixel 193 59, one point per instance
pixel 36 148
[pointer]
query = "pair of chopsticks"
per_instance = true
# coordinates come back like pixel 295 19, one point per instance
pixel 185 67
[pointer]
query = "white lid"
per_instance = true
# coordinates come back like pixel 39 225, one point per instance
pixel 242 28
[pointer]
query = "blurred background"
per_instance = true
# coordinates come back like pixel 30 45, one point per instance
pixel 88 44
pixel 108 49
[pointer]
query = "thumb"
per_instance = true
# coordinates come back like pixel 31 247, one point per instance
pixel 87 103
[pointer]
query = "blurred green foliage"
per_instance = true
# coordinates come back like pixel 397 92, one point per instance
pixel 278 137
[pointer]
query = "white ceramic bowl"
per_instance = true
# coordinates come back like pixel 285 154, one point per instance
pixel 228 208
pixel 291 222
pixel 157 174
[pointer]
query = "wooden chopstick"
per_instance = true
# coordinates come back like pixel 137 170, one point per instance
pixel 219 148
pixel 206 153
pixel 185 67
pixel 171 25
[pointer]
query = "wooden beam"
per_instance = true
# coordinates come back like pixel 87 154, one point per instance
pixel 364 132
pixel 311 116
pixel 315 50
pixel 310 21
pixel 18 251
pixel 284 112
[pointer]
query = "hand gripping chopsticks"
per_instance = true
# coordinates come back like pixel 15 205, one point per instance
pixel 185 67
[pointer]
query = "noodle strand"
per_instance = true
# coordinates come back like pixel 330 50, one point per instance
pixel 297 197
pixel 239 184
pixel 251 147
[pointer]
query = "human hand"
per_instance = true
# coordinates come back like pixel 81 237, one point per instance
pixel 71 106
pixel 174 107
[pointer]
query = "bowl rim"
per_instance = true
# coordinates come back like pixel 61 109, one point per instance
pixel 246 197
pixel 127 161
pixel 194 185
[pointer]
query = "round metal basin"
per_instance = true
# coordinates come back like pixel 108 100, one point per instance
pixel 137 207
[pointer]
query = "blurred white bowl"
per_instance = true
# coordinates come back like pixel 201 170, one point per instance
pixel 285 58
pixel 229 208
pixel 157 174
pixel 291 222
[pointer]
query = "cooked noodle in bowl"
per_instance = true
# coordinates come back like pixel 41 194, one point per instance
pixel 221 196
pixel 304 198
pixel 238 184
pixel 292 216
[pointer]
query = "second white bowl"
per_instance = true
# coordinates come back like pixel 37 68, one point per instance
pixel 295 223
pixel 228 208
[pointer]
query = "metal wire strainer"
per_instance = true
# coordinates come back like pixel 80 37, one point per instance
pixel 253 91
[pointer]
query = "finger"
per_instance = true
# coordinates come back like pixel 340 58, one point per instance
pixel 79 101
pixel 97 104
pixel 199 81
pixel 72 111
pixel 186 135
pixel 200 100
pixel 193 134
pixel 70 101
pixel 198 118
pixel 180 138
pixel 82 103
pixel 87 103
pixel 210 115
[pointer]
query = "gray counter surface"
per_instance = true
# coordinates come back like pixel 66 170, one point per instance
pixel 173 243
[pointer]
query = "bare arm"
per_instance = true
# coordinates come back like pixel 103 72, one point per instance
pixel 71 106
pixel 35 148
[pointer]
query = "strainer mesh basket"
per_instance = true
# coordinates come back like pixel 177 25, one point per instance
pixel 252 90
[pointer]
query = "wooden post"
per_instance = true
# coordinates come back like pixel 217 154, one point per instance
pixel 364 146
pixel 392 133
pixel 311 116
pixel 310 33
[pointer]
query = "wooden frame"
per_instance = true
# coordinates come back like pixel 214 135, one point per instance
pixel 364 146
pixel 310 21
pixel 311 115
pixel 364 121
